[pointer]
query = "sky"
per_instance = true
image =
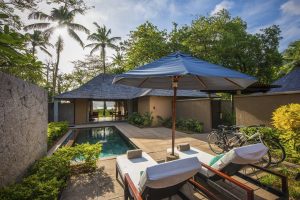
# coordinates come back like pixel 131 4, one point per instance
pixel 122 16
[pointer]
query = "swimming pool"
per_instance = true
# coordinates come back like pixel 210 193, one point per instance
pixel 112 140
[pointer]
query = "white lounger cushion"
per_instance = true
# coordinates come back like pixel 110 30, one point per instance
pixel 202 156
pixel 135 166
pixel 242 155
pixel 169 173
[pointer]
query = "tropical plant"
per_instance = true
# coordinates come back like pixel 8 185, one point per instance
pixel 59 18
pixel 101 40
pixel 38 40
pixel 292 54
pixel 287 119
pixel 48 176
pixel 141 120
pixel 56 130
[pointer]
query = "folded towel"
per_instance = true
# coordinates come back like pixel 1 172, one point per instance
pixel 183 147
pixel 136 153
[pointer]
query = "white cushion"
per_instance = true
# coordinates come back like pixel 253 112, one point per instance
pixel 202 156
pixel 169 173
pixel 135 166
pixel 242 155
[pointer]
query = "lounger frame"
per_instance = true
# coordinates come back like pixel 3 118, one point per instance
pixel 131 192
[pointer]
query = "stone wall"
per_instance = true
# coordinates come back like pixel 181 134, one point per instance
pixel 23 127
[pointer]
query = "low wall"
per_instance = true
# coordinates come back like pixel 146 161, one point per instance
pixel 258 109
pixel 23 127
pixel 199 109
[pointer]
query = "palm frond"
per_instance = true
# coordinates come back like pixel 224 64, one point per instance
pixel 113 46
pixel 91 45
pixel 37 26
pixel 95 49
pixel 113 39
pixel 39 15
pixel 74 35
pixel 93 37
pixel 45 51
pixel 78 27
pixel 96 24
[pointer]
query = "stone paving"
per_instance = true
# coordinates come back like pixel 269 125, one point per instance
pixel 102 185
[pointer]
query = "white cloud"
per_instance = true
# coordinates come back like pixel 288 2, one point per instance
pixel 223 5
pixel 291 7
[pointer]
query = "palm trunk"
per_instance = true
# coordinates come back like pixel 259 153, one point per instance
pixel 104 71
pixel 58 51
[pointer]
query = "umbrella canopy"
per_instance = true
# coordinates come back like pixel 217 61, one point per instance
pixel 195 74
pixel 182 71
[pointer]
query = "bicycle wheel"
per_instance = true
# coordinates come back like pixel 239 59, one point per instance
pixel 276 150
pixel 216 143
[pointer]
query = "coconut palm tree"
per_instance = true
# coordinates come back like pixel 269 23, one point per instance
pixel 38 40
pixel 102 40
pixel 59 18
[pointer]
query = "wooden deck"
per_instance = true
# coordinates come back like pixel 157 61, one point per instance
pixel 103 185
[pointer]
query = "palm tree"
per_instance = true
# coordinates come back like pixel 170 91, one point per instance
pixel 59 18
pixel 102 40
pixel 38 39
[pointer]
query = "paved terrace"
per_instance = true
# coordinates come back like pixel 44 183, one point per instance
pixel 102 185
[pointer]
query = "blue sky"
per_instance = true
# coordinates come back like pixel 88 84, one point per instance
pixel 125 15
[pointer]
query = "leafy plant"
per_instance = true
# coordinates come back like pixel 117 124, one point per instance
pixel 144 120
pixel 287 119
pixel 56 130
pixel 192 125
pixel 48 176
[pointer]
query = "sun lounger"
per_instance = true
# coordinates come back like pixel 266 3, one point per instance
pixel 143 178
pixel 231 163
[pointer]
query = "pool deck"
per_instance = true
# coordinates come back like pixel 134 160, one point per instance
pixel 103 185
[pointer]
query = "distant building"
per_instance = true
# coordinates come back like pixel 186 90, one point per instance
pixel 127 99
pixel 257 108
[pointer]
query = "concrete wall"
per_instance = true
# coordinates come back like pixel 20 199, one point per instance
pixel 160 106
pixel 82 107
pixel 143 105
pixel 23 127
pixel 199 109
pixel 257 109
pixel 65 112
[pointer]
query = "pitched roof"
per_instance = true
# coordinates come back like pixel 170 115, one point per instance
pixel 290 82
pixel 101 88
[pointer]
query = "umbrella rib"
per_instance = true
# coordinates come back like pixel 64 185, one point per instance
pixel 143 82
pixel 202 83
pixel 233 83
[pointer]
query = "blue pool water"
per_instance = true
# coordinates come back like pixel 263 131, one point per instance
pixel 112 140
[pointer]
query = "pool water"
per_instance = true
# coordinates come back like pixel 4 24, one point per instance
pixel 112 140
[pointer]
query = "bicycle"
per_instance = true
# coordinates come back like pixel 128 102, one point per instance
pixel 219 143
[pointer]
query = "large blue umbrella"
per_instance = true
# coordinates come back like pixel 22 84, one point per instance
pixel 182 71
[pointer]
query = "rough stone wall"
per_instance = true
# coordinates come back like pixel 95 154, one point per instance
pixel 23 127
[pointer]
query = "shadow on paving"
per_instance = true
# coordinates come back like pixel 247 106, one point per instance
pixel 89 186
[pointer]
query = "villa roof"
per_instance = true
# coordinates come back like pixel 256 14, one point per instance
pixel 101 88
pixel 289 83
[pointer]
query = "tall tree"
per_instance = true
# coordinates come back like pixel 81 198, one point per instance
pixel 144 45
pixel 292 54
pixel 38 40
pixel 101 40
pixel 59 18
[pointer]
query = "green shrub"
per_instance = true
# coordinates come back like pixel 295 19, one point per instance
pixel 144 120
pixel 183 124
pixel 56 130
pixel 48 176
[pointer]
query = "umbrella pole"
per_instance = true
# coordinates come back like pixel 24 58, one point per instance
pixel 174 85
